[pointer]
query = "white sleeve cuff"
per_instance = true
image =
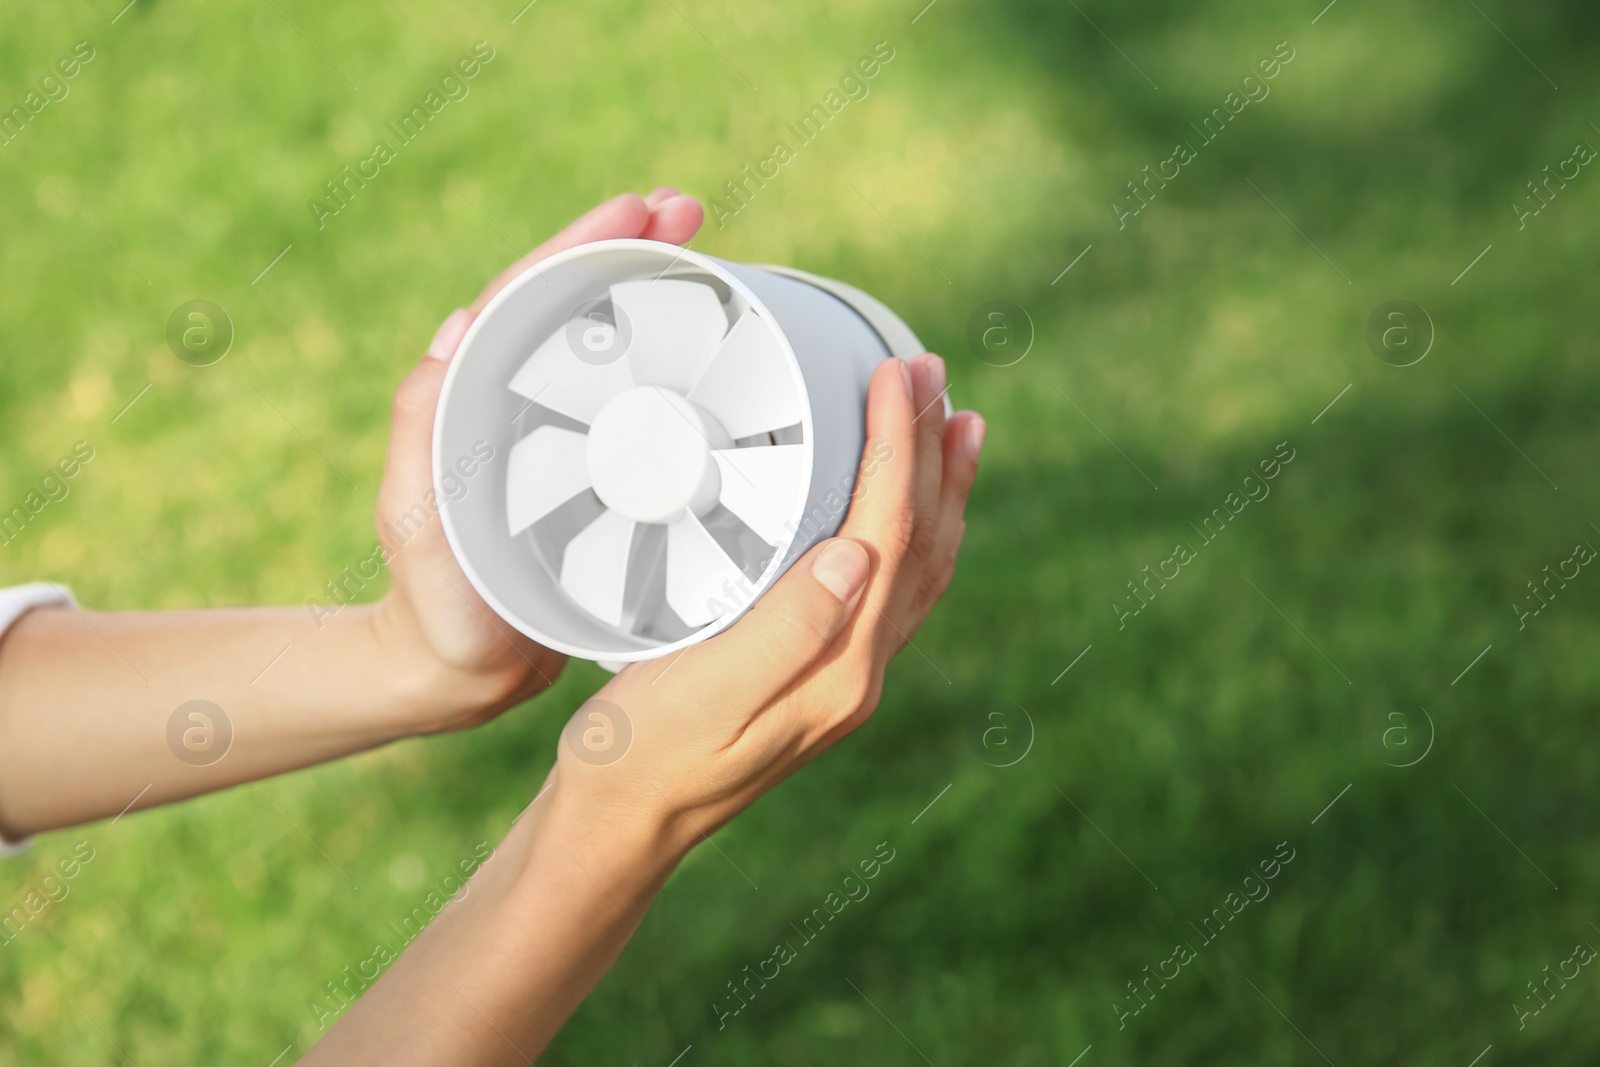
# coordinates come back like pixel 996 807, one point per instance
pixel 14 603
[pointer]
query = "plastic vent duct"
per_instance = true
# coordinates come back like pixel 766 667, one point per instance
pixel 667 433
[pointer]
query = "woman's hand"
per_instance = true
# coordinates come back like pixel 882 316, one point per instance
pixel 103 710
pixel 675 749
pixel 709 731
pixel 473 664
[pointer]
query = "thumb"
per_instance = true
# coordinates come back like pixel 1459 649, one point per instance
pixel 789 630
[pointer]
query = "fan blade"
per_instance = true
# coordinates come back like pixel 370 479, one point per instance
pixel 703 582
pixel 562 382
pixel 748 386
pixel 547 468
pixel 594 567
pixel 675 326
pixel 761 486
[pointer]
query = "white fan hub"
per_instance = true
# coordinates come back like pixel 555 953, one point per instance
pixel 649 454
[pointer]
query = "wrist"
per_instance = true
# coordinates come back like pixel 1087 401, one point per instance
pixel 425 694
pixel 629 845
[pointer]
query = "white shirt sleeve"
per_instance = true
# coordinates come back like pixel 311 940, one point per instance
pixel 14 603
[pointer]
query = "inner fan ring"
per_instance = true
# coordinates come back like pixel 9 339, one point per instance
pixel 687 442
pixel 791 406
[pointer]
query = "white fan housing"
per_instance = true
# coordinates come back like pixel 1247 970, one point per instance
pixel 667 433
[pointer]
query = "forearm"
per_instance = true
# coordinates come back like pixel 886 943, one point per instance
pixel 87 698
pixel 495 977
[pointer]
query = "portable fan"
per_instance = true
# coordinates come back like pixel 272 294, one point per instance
pixel 666 433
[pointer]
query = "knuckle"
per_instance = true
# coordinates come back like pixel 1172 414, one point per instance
pixel 924 538
pixel 960 488
pixel 903 527
pixel 938 578
pixel 932 590
pixel 413 396
pixel 809 621
pixel 866 696
pixel 858 697
pixel 862 676
pixel 405 400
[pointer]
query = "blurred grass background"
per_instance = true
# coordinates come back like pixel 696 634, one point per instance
pixel 1217 724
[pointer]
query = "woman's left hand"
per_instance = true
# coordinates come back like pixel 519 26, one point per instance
pixel 473 664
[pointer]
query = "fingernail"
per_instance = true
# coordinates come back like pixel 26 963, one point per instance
pixel 843 568
pixel 905 376
pixel 444 342
pixel 935 372
pixel 975 431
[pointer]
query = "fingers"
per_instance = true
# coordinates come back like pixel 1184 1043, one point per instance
pixel 885 517
pixel 628 215
pixel 963 444
pixel 928 379
pixel 675 220
pixel 928 385
pixel 666 215
pixel 621 216
pixel 408 475
pixel 789 631
pixel 448 338
pixel 913 513
pixel 880 513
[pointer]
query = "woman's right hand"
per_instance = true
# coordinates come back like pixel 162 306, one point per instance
pixel 693 739
pixel 704 733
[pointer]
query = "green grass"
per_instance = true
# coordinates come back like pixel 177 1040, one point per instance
pixel 1211 728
